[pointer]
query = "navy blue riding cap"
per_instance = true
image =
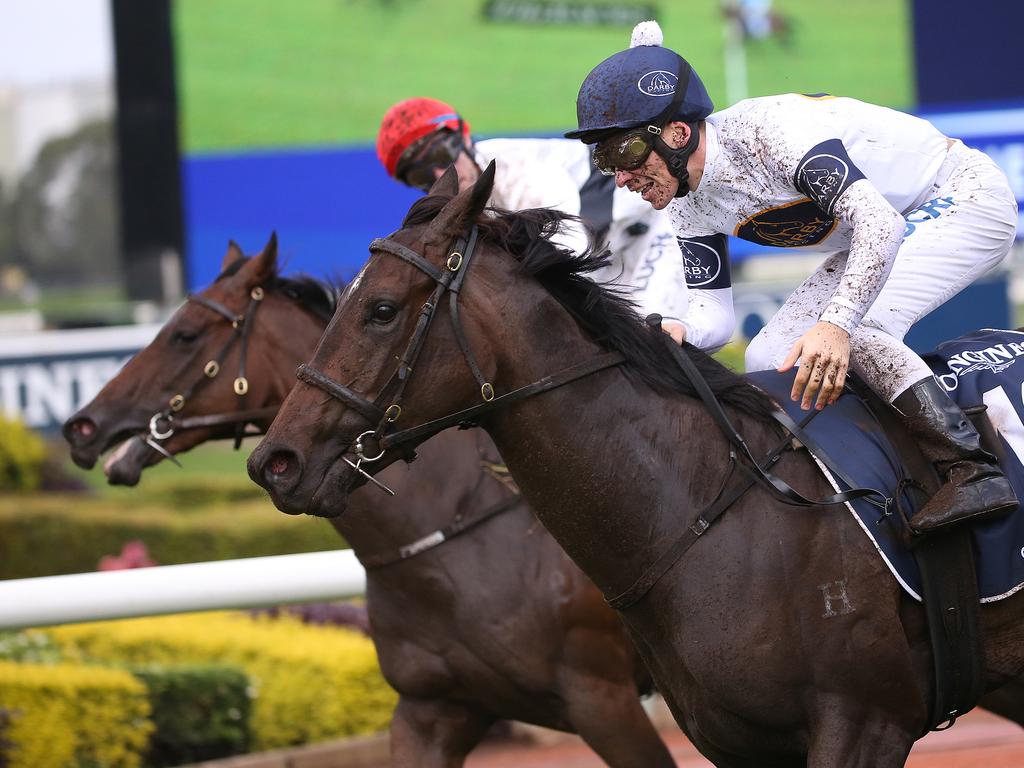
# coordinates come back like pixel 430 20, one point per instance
pixel 634 87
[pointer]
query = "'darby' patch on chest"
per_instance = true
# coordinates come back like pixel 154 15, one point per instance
pixel 791 225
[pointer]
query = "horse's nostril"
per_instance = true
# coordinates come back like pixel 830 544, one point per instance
pixel 84 427
pixel 279 464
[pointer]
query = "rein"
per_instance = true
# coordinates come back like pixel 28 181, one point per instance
pixel 163 424
pixel 448 279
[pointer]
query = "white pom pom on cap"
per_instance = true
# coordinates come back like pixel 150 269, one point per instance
pixel 646 33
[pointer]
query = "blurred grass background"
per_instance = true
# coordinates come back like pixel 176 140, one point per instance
pixel 270 74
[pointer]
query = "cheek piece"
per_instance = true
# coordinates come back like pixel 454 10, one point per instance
pixel 676 159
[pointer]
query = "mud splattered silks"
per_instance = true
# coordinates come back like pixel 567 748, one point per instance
pixel 903 220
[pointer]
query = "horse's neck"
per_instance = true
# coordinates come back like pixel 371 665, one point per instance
pixel 613 470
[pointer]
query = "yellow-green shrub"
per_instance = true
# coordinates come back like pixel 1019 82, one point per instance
pixel 312 683
pixel 66 715
pixel 22 456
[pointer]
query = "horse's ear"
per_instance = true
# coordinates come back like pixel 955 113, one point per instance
pixel 448 184
pixel 466 207
pixel 234 254
pixel 263 266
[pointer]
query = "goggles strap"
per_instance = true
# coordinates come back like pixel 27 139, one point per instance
pixel 676 158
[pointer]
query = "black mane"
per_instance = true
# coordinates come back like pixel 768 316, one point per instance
pixel 315 296
pixel 604 313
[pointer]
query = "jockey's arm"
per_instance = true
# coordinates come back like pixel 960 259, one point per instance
pixel 827 175
pixel 710 318
pixel 877 233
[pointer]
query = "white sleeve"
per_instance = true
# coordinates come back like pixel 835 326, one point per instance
pixel 521 182
pixel 711 319
pixel 877 233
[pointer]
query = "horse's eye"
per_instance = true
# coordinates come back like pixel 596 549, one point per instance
pixel 184 336
pixel 383 312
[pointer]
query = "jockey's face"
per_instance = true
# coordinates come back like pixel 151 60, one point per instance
pixel 652 181
pixel 426 161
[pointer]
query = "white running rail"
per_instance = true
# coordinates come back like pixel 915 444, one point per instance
pixel 247 583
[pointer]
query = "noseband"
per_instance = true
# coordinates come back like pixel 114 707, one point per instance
pixel 448 279
pixel 163 424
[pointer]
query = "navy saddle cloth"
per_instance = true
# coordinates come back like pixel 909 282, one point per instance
pixel 983 367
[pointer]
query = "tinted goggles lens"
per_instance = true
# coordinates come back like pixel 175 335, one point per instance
pixel 418 163
pixel 623 153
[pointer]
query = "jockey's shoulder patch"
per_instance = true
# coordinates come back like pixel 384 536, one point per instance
pixel 825 172
pixel 706 261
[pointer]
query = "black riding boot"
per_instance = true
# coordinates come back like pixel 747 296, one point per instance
pixel 975 486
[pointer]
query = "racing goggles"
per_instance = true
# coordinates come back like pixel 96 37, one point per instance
pixel 624 151
pixel 418 164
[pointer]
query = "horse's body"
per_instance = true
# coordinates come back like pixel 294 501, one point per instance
pixel 779 639
pixel 495 624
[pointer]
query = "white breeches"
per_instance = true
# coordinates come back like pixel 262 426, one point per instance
pixel 964 228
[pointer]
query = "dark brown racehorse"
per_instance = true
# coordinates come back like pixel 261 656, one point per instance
pixel 494 624
pixel 778 639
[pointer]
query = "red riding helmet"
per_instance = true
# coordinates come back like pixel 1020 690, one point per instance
pixel 410 120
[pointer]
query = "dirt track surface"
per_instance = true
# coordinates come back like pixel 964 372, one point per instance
pixel 979 740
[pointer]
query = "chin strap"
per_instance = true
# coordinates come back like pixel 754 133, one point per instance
pixel 676 158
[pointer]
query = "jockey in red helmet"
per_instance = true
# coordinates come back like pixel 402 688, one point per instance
pixel 420 137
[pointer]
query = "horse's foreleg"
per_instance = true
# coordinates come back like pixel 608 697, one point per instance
pixel 435 733
pixel 610 719
pixel 859 740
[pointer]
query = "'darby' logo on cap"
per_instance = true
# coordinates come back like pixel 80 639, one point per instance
pixel 658 83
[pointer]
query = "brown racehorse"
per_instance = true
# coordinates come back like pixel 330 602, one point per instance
pixel 617 464
pixel 494 624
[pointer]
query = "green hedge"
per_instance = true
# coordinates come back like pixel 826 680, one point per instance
pixel 71 716
pixel 48 534
pixel 201 712
pixel 310 683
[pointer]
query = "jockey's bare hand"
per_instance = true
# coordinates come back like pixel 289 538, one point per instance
pixel 676 330
pixel 824 354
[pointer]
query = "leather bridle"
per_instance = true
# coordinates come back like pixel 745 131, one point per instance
pixel 449 279
pixel 165 423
